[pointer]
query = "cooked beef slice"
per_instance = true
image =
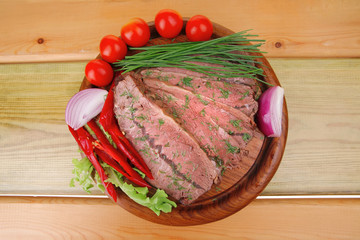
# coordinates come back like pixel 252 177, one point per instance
pixel 235 95
pixel 177 162
pixel 221 134
pixel 236 80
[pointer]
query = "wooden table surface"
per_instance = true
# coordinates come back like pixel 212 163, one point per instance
pixel 314 48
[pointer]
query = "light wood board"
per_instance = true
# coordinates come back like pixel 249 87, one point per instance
pixel 321 157
pixel 43 30
pixel 69 218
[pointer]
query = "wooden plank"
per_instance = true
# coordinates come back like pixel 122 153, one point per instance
pixel 322 152
pixel 321 155
pixel 38 31
pixel 59 218
pixel 35 143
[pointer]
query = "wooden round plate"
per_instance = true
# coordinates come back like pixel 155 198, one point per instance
pixel 235 190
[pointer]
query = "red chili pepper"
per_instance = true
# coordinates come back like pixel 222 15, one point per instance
pixel 109 160
pixel 85 142
pixel 107 120
pixel 109 149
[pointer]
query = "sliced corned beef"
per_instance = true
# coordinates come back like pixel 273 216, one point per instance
pixel 235 95
pixel 178 164
pixel 222 135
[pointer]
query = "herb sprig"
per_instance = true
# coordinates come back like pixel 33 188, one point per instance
pixel 231 55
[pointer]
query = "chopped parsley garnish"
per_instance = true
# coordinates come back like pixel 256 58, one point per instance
pixel 187 81
pixel 224 93
pixel 245 94
pixel 154 161
pixel 124 93
pixel 175 154
pixel 246 137
pixel 145 150
pixel 141 117
pixel 208 84
pixel 179 167
pixel 231 148
pixel 187 100
pixel 163 78
pixel 202 112
pixel 227 85
pixel 161 122
pixel 222 170
pixel 219 162
pixel 187 176
pixel 202 100
pixel 175 113
pixel 169 98
pixel 148 73
pixel 144 138
pixel 236 123
pixel 230 132
pixel 189 196
pixel 132 109
pixel 210 126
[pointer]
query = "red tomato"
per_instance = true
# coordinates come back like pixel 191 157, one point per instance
pixel 136 33
pixel 99 72
pixel 112 48
pixel 199 28
pixel 168 23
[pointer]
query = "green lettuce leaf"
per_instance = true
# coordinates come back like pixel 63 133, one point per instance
pixel 157 203
pixel 82 171
pixel 83 168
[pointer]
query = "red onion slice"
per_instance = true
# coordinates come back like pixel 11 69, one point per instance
pixel 270 111
pixel 84 106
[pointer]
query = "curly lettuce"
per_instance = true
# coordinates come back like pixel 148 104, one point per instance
pixel 157 203
pixel 83 169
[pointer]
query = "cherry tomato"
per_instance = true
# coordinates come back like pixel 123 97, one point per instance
pixel 99 72
pixel 199 28
pixel 168 23
pixel 136 33
pixel 112 48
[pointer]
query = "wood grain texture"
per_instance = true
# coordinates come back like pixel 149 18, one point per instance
pixel 69 218
pixel 44 30
pixel 324 137
pixel 321 157
pixel 34 140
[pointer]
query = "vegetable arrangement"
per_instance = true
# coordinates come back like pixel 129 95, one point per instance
pixel 107 150
pixel 223 52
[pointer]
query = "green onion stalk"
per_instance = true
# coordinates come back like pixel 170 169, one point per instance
pixel 225 57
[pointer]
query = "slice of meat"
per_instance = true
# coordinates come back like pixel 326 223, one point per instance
pixel 177 162
pixel 235 95
pixel 221 134
pixel 236 80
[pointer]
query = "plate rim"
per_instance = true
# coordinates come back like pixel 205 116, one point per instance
pixel 240 194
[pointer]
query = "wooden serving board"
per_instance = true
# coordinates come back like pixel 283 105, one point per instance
pixel 239 186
